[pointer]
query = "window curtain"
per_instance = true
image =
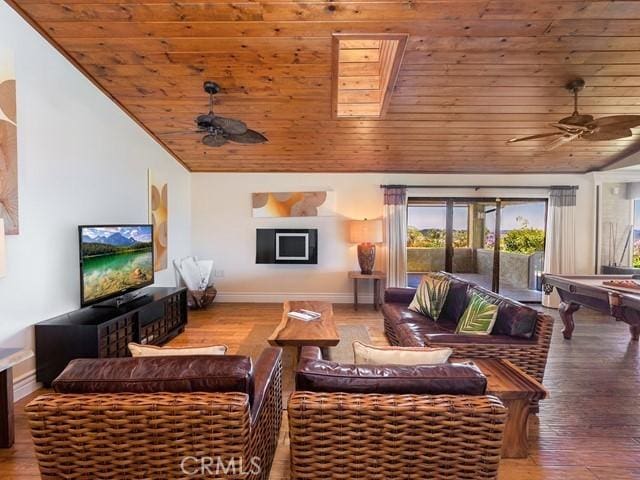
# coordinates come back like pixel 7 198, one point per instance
pixel 395 229
pixel 560 254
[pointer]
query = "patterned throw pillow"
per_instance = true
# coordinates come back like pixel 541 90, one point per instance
pixel 430 295
pixel 479 317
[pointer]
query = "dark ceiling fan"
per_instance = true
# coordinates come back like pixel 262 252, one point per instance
pixel 586 127
pixel 218 130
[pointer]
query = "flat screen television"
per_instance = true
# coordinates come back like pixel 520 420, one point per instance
pixel 114 261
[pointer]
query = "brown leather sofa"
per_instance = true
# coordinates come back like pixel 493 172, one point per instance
pixel 160 417
pixel 380 422
pixel 521 334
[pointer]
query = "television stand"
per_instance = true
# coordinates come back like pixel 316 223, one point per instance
pixel 159 315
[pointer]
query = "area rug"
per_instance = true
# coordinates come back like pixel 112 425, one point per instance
pixel 256 342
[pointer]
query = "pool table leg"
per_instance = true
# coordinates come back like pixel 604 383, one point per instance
pixel 635 332
pixel 566 311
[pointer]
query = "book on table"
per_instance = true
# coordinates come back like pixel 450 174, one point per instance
pixel 305 315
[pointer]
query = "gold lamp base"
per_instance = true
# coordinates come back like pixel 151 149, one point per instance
pixel 366 257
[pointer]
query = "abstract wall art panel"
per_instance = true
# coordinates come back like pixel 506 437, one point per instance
pixel 294 204
pixel 159 217
pixel 8 144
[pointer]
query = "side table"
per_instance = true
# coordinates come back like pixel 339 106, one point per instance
pixel 378 283
pixel 516 389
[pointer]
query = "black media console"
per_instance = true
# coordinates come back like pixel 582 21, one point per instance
pixel 155 317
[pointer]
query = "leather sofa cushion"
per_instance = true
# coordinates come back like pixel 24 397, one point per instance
pixel 192 373
pixel 318 375
pixel 397 301
pixel 400 313
pixel 457 300
pixel 434 334
pixel 429 326
pixel 514 319
pixel 403 296
pixel 408 337
pixel 435 339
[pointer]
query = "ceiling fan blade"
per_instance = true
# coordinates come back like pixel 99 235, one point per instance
pixel 533 137
pixel 608 134
pixel 205 121
pixel 618 122
pixel 249 137
pixel 561 141
pixel 183 132
pixel 230 126
pixel 214 140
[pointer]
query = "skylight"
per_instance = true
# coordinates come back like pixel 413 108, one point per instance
pixel 365 70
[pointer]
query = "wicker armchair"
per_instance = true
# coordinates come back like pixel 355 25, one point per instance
pixel 373 436
pixel 161 435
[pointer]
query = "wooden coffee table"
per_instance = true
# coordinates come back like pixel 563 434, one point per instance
pixel 516 389
pixel 298 333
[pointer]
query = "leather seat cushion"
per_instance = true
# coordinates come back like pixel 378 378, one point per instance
pixel 435 339
pixel 191 373
pixel 434 334
pixel 447 379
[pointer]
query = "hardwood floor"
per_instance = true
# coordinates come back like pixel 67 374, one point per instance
pixel 589 428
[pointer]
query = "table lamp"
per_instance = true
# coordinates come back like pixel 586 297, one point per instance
pixel 3 253
pixel 366 233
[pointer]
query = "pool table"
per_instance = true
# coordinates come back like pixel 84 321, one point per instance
pixel 588 291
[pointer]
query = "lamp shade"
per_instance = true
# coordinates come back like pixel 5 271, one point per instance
pixel 365 231
pixel 3 252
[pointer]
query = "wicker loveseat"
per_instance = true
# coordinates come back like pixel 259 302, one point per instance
pixel 521 334
pixel 160 418
pixel 340 429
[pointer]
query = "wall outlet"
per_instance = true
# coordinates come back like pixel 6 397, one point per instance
pixel 218 273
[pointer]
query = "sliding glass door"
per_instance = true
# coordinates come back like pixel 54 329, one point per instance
pixel 426 238
pixel 498 244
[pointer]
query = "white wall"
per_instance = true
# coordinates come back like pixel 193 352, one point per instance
pixel 224 230
pixel 81 160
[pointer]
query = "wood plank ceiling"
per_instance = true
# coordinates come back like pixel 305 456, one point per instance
pixel 475 73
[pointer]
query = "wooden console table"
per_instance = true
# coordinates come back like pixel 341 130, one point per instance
pixel 154 318
pixel 378 284
pixel 8 358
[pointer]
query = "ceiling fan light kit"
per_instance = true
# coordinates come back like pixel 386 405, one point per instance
pixel 221 130
pixel 585 127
